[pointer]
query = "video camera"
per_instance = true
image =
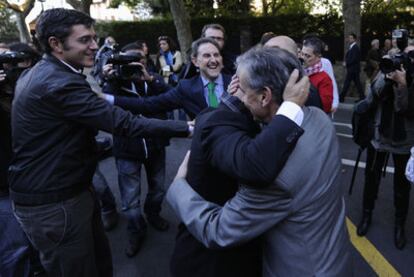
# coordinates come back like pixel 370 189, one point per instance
pixel 13 58
pixel 388 65
pixel 123 69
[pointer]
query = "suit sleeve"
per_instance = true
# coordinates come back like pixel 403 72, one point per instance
pixel 168 101
pixel 247 215
pixel 79 103
pixel 256 161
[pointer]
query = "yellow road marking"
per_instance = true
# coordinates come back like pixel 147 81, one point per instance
pixel 371 255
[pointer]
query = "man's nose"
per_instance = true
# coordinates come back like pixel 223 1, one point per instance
pixel 94 45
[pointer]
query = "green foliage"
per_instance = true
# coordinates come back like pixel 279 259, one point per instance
pixel 8 28
pixel 386 7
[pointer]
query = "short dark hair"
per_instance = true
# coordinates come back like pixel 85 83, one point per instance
pixel 196 44
pixel 131 46
pixel 266 37
pixel 58 23
pixel 353 35
pixel 315 43
pixel 140 43
pixel 215 26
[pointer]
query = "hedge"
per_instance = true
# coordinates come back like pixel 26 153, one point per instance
pixel 329 27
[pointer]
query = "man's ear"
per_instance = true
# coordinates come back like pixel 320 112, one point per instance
pixel 55 44
pixel 194 61
pixel 266 96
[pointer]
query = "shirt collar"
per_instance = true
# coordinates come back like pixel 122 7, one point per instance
pixel 79 71
pixel 218 81
pixel 352 44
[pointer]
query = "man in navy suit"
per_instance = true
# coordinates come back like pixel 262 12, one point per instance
pixel 193 95
pixel 352 62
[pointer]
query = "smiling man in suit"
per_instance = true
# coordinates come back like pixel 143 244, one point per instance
pixel 193 95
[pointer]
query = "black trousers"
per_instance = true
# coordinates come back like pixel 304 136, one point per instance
pixel 69 236
pixel 373 171
pixel 352 76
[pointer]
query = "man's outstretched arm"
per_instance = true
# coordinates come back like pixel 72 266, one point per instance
pixel 247 215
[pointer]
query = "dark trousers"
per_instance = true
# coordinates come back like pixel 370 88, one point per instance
pixel 103 192
pixel 129 180
pixel 15 248
pixel 69 236
pixel 373 171
pixel 352 76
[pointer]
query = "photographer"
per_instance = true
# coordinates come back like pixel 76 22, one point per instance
pixel 133 80
pixel 16 255
pixel 391 97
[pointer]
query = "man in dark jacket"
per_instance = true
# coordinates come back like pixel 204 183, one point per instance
pixel 131 153
pixel 352 63
pixel 54 121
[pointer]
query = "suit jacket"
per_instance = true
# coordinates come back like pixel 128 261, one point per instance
pixel 353 59
pixel 188 95
pixel 302 214
pixel 223 150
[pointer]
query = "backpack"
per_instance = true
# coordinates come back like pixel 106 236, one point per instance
pixel 363 123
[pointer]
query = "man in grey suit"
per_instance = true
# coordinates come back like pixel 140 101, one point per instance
pixel 301 215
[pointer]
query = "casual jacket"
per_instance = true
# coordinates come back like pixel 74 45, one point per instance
pixel 55 117
pixel 138 148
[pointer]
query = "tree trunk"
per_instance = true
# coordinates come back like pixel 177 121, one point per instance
pixel 182 25
pixel 21 11
pixel 351 10
pixel 22 27
pixel 81 5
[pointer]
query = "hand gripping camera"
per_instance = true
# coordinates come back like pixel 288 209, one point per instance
pixel 391 64
pixel 123 69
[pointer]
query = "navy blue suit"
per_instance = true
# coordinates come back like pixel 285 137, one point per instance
pixel 187 95
pixel 352 60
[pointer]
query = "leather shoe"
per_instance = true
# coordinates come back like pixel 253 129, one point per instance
pixel 399 236
pixel 364 224
pixel 158 222
pixel 134 244
pixel 110 220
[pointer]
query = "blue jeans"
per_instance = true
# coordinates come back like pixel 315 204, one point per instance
pixel 69 236
pixel 129 180
pixel 103 192
pixel 15 249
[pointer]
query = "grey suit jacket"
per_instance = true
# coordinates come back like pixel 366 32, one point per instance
pixel 302 214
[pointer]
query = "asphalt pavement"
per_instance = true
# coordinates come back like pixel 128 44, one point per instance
pixel 374 255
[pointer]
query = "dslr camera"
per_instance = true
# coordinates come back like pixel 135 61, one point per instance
pixel 390 64
pixel 124 70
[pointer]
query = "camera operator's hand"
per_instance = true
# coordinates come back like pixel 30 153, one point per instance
pixel 147 77
pixel 398 76
pixel 2 76
pixel 108 70
pixel 297 91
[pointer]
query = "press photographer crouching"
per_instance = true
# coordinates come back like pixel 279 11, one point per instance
pixel 391 99
pixel 16 254
pixel 127 76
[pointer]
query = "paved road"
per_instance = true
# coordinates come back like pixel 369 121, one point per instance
pixel 373 256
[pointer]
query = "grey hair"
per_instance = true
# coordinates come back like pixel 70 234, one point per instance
pixel 374 41
pixel 269 67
